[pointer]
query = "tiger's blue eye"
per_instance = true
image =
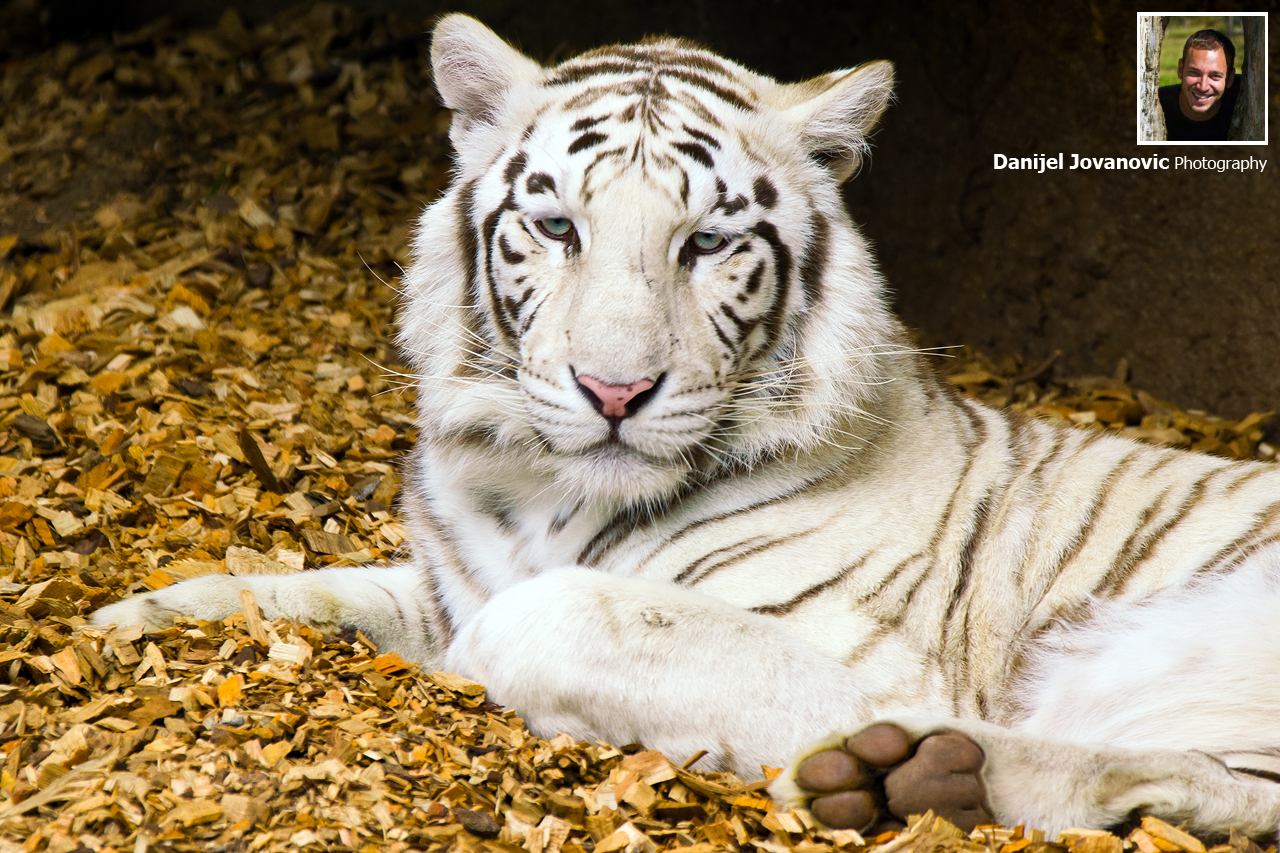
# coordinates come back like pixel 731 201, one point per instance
pixel 556 227
pixel 708 241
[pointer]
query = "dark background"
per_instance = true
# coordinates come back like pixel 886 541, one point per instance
pixel 1176 272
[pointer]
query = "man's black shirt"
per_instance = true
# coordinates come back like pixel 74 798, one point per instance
pixel 1182 129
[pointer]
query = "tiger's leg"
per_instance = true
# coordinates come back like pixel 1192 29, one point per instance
pixel 384 602
pixel 1128 710
pixel 628 660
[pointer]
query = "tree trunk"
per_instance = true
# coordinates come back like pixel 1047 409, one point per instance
pixel 1151 126
pixel 1250 118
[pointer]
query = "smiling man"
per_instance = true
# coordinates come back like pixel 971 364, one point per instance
pixel 1198 109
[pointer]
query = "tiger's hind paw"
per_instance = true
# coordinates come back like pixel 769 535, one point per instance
pixel 878 776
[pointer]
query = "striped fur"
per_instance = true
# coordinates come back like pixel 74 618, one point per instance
pixel 797 529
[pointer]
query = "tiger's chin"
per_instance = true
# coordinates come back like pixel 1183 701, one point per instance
pixel 616 472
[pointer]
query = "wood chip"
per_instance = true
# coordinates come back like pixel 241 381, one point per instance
pixel 253 617
pixel 193 813
pixel 1161 831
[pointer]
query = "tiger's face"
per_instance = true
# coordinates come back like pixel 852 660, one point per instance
pixel 640 238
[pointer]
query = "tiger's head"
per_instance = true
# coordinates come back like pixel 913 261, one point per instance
pixel 643 273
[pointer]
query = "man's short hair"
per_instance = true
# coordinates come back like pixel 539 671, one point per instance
pixel 1212 40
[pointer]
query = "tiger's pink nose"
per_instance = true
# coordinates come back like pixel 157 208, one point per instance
pixel 614 401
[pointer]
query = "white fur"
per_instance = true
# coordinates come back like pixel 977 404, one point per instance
pixel 1099 616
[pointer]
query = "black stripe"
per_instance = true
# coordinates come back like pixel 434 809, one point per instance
pixel 589 96
pixel 1157 536
pixel 524 297
pixel 1037 486
pixel 686 256
pixel 467 234
pixel 1096 507
pixel 510 255
pixel 1250 541
pixel 1259 469
pixel 740 556
pixel 931 385
pixel 1019 448
pixel 514 168
pixel 814 267
pixel 1269 775
pixel 471 436
pixel 765 192
pixel 586 140
pixel 473 318
pixel 1055 448
pixel 1053 457
pixel 586 123
pixel 496 507
pixel 528 321
pixel 443 557
pixel 818 484
pixel 696 151
pixel 615 530
pixel 724 339
pixel 782 272
pixel 886 596
pixel 693 105
pixel 702 62
pixel 963 576
pixel 733 205
pixel 870 641
pixel 653 121
pixel 540 182
pixel 601 156
pixel 512 306
pixel 699 135
pixel 655 67
pixel 706 84
pixel 627 521
pixel 727 552
pixel 582 70
pixel 558 523
pixel 1128 555
pixel 890 577
pixel 669 52
pixel 505 329
pixel 658 57
pixel 744 326
pixel 782 608
pixel 1248 552
pixel 972 447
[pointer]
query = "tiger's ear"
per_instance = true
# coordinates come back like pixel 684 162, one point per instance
pixel 475 70
pixel 834 113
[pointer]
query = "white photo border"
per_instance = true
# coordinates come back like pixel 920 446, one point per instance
pixel 1266 73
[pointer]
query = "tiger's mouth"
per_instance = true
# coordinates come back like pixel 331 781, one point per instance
pixel 615 469
pixel 614 448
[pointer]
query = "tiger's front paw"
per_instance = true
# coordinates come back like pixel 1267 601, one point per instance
pixel 877 777
pixel 209 597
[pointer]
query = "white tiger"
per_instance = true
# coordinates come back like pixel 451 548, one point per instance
pixel 681 480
